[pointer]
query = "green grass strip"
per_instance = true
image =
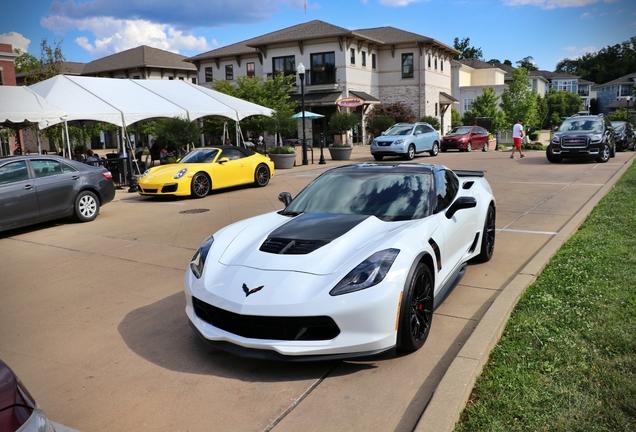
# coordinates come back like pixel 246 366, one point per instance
pixel 567 358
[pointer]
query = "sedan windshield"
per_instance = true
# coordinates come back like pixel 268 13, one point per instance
pixel 399 130
pixel 462 130
pixel 388 196
pixel 200 156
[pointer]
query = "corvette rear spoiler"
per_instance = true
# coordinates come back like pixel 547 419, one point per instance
pixel 468 173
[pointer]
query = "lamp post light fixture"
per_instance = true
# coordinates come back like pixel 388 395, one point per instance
pixel 301 75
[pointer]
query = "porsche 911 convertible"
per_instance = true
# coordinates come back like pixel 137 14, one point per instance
pixel 205 169
pixel 353 266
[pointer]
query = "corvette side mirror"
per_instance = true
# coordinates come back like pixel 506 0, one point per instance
pixel 285 198
pixel 460 203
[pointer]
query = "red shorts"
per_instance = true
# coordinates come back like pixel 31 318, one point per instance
pixel 517 142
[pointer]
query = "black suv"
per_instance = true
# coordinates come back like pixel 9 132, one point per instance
pixel 580 136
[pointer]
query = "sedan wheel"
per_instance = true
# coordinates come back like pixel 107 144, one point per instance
pixel 261 175
pixel 552 157
pixel 604 155
pixel 469 147
pixel 435 150
pixel 488 237
pixel 200 186
pixel 86 206
pixel 416 313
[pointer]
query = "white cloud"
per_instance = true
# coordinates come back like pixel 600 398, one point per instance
pixel 397 3
pixel 16 40
pixel 586 15
pixel 553 4
pixel 115 35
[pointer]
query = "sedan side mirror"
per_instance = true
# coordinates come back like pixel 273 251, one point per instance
pixel 285 198
pixel 460 203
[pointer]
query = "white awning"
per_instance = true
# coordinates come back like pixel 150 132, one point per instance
pixel 20 105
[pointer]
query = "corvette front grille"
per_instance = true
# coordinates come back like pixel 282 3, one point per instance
pixel 311 328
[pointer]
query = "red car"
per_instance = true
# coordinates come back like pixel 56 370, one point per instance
pixel 466 138
pixel 18 410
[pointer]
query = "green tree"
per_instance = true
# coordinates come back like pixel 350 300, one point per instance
pixel 175 132
pixel 25 62
pixel 542 111
pixel 466 51
pixel 620 115
pixel 433 121
pixel 561 103
pixel 380 123
pixel 486 105
pixel 398 111
pixel 456 118
pixel 50 64
pixel 528 63
pixel 518 101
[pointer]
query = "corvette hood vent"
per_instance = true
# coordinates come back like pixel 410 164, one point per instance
pixel 308 232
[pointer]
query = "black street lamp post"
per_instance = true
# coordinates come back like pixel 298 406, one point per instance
pixel 301 76
pixel 322 145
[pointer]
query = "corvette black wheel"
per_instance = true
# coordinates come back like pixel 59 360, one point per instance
pixel 261 175
pixel 488 237
pixel 86 206
pixel 416 313
pixel 200 186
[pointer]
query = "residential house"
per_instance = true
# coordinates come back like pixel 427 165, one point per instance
pixel 616 94
pixel 373 65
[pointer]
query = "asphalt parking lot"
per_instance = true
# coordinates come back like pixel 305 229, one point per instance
pixel 92 315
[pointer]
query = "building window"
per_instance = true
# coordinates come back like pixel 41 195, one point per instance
pixel 364 59
pixel 435 109
pixel 626 90
pixel 352 54
pixel 194 80
pixel 1 78
pixel 208 74
pixel 229 72
pixel 429 60
pixel 323 68
pixel 373 64
pixel 441 64
pixel 284 65
pixel 468 104
pixel 435 63
pixel 251 69
pixel 136 77
pixel 407 65
pixel 180 78
pixel 170 78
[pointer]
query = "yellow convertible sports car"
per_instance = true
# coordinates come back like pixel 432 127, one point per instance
pixel 207 168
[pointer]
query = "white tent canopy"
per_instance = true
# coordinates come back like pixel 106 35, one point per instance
pixel 125 101
pixel 20 105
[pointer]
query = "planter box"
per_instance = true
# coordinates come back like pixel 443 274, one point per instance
pixel 340 153
pixel 283 161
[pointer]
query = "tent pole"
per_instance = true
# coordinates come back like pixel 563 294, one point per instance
pixel 37 134
pixel 68 139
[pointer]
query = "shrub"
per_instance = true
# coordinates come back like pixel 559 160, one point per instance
pixel 534 135
pixel 381 123
pixel 342 122
pixel 282 150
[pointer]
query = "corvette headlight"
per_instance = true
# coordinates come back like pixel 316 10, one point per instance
pixel 369 272
pixel 181 173
pixel 400 141
pixel 198 260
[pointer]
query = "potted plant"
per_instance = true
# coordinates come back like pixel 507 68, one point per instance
pixel 283 157
pixel 341 123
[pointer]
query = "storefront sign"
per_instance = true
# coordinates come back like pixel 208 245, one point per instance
pixel 349 102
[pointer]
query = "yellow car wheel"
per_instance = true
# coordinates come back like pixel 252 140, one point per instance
pixel 200 185
pixel 261 175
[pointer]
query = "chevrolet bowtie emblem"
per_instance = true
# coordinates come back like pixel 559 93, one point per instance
pixel 251 291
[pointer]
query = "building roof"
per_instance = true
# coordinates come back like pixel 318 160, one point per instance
pixel 628 79
pixel 140 57
pixel 319 29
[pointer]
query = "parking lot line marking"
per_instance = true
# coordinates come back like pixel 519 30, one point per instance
pixel 146 201
pixel 528 231
pixel 571 184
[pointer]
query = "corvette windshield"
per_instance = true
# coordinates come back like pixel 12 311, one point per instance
pixel 200 156
pixel 388 196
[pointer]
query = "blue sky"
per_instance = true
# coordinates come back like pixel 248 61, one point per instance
pixel 547 30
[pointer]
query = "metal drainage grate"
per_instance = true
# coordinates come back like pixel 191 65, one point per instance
pixel 194 211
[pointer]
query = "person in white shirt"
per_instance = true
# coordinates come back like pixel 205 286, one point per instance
pixel 517 134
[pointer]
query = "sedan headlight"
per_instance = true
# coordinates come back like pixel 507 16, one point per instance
pixel 368 273
pixel 181 173
pixel 198 260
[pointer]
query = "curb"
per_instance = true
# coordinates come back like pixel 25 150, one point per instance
pixel 451 395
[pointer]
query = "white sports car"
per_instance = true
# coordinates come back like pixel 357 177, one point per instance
pixel 354 266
